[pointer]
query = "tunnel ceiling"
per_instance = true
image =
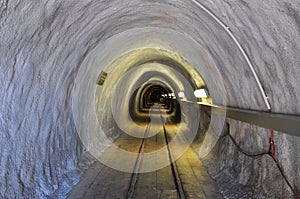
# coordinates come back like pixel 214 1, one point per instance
pixel 53 51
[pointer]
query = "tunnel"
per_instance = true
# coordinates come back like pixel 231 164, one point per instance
pixel 101 96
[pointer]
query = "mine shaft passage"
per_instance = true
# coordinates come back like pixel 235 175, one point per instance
pixel 154 94
pixel 185 178
pixel 147 113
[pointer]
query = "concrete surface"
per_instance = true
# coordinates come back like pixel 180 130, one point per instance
pixel 157 184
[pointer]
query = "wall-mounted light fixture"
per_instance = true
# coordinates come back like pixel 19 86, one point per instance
pixel 181 94
pixel 101 78
pixel 201 93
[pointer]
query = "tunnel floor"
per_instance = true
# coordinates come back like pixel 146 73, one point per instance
pixel 185 178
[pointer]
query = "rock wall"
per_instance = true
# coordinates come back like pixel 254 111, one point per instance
pixel 42 46
pixel 269 32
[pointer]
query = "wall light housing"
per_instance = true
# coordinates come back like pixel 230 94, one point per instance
pixel 201 93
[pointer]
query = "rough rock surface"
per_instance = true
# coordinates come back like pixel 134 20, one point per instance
pixel 42 46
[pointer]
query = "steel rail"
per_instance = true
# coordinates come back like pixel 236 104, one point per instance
pixel 135 173
pixel 176 178
pixel 136 170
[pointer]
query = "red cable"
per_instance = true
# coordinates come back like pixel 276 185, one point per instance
pixel 272 145
pixel 285 178
pixel 272 154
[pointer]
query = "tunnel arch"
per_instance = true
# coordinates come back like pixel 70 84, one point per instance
pixel 47 49
pixel 141 103
pixel 152 49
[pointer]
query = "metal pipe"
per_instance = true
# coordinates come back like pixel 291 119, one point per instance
pixel 228 31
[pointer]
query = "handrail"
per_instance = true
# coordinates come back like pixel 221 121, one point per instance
pixel 289 124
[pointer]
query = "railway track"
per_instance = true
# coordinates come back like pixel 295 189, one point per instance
pixel 136 170
pixel 185 179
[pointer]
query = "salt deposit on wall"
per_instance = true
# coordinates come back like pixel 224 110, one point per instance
pixel 43 45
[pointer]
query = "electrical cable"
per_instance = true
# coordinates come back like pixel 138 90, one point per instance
pixel 272 154
pixel 272 146
pixel 244 152
pixel 284 177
